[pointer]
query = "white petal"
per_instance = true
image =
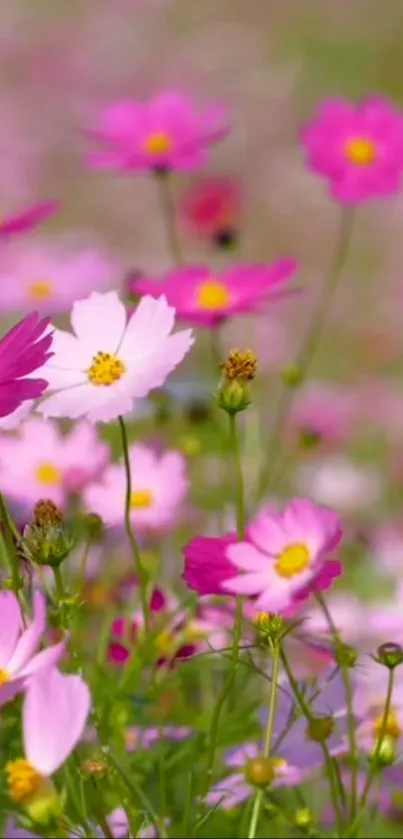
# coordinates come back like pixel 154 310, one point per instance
pixel 99 321
pixel 152 321
pixel 72 402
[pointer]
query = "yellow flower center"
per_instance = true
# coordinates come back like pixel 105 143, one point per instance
pixel 47 473
pixel 392 726
pixel 105 369
pixel 140 499
pixel 23 780
pixel 164 642
pixel 360 151
pixel 4 677
pixel 292 560
pixel 40 290
pixel 212 294
pixel 158 143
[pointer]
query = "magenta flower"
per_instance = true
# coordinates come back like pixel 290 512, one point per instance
pixel 286 555
pixel 358 148
pixel 210 208
pixel 55 712
pixel 27 219
pixel 165 133
pixel 24 349
pixel 19 659
pixel 207 298
pixel 206 563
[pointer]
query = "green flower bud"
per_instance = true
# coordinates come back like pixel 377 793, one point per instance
pixel 271 627
pixel 320 729
pixel 46 541
pixel 94 526
pixel 233 397
pixel 292 376
pixel 387 752
pixel 345 655
pixel 303 817
pixel 390 655
pixel 260 771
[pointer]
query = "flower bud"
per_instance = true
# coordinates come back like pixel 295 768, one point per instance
pixel 309 438
pixel 292 376
pixel 260 771
pixel 46 540
pixel 320 729
pixel 95 768
pixel 345 656
pixel 386 754
pixel 94 526
pixel 233 397
pixel 390 655
pixel 303 817
pixel 271 627
pixel 238 370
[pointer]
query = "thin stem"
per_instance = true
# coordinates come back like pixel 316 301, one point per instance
pixel 9 531
pixel 382 733
pixel 61 595
pixel 138 793
pixel 236 638
pixel 307 351
pixel 142 575
pixel 169 215
pixel 257 804
pixel 348 690
pixel 304 706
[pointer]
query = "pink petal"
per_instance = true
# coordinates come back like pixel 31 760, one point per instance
pixel 10 626
pixel 44 660
pixel 30 638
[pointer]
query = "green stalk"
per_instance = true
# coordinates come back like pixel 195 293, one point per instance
pixel 257 804
pixel 169 215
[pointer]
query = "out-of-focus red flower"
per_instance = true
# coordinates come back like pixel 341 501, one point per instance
pixel 211 209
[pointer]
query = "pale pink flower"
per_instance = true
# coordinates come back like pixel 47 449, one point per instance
pixel 167 132
pixel 159 486
pixel 371 685
pixel 13 420
pixel 322 412
pixel 286 555
pixel 19 659
pixel 110 360
pixel 339 482
pixel 41 462
pixel 49 275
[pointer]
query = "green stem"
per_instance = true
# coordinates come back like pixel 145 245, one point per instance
pixel 306 353
pixel 348 690
pixel 138 793
pixel 304 706
pixel 236 638
pixel 10 530
pixel 257 804
pixel 169 215
pixel 382 733
pixel 61 595
pixel 142 575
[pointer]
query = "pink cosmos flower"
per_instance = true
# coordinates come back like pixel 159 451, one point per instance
pixel 41 462
pixel 210 208
pixel 27 219
pixel 165 133
pixel 159 486
pixel 371 684
pixel 358 148
pixel 19 661
pixel 110 361
pixel 145 738
pixel 23 351
pixel 323 413
pixel 287 555
pixel 203 297
pixel 13 420
pixel 51 274
pixel 206 563
pixel 125 633
pixel 54 715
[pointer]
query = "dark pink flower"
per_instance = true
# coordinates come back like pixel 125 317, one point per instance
pixel 210 208
pixel 206 563
pixel 27 219
pixel 24 349
pixel 165 133
pixel 358 148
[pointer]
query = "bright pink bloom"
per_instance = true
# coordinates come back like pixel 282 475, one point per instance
pixel 203 297
pixel 207 565
pixel 210 208
pixel 165 133
pixel 19 659
pixel 55 712
pixel 27 219
pixel 358 148
pixel 286 555
pixel 23 350
pixel 159 486
pixel 42 462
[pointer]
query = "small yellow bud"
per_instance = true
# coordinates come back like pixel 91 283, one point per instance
pixel 320 729
pixel 260 771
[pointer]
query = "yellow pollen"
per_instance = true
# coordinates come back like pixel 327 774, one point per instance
pixel 212 294
pixel 4 677
pixel 360 151
pixel 40 290
pixel 140 499
pixel 23 780
pixel 47 473
pixel 105 369
pixel 292 560
pixel 392 726
pixel 158 143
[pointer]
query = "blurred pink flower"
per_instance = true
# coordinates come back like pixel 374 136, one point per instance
pixel 204 297
pixel 206 563
pixel 50 275
pixel 23 352
pixel 370 690
pixel 323 413
pixel 339 482
pixel 358 148
pixel 13 420
pixel 165 133
pixel 41 462
pixel 210 208
pixel 19 659
pixel 55 712
pixel 27 219
pixel 159 486
pixel 286 556
pixel 110 361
